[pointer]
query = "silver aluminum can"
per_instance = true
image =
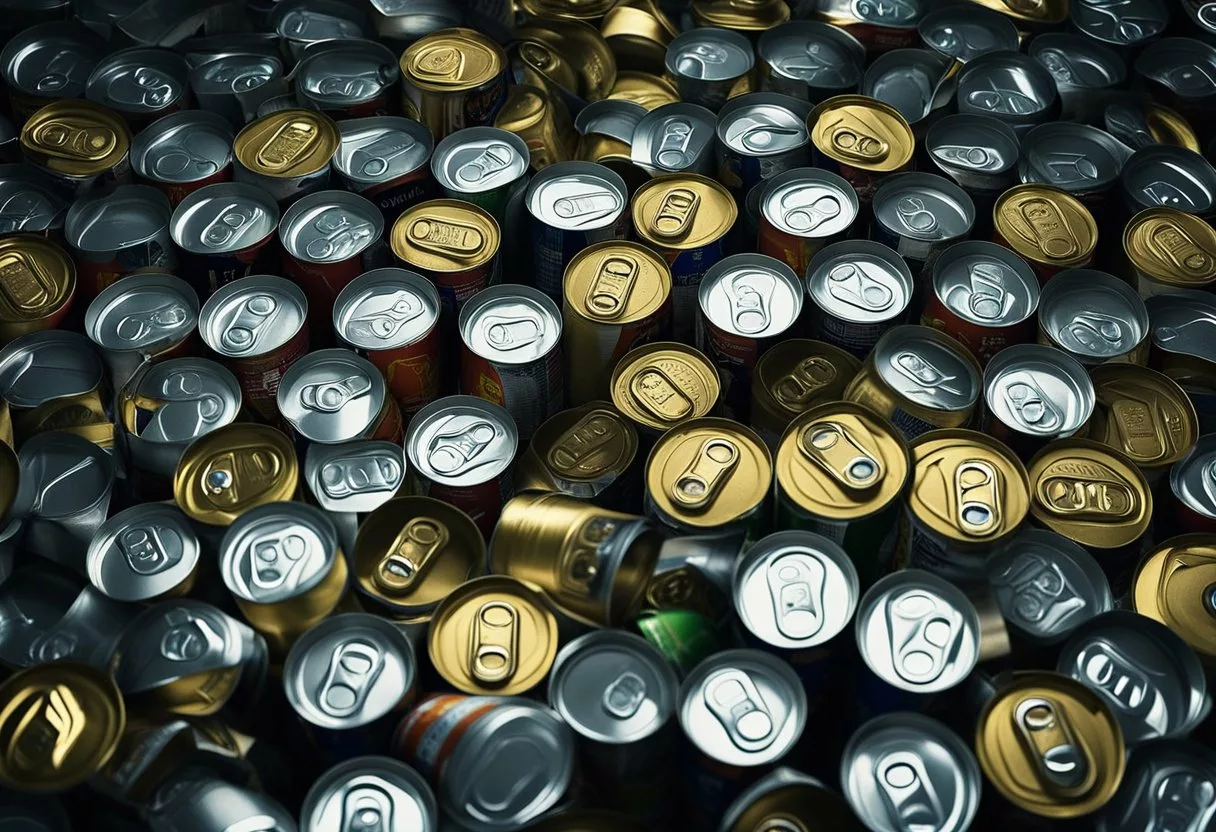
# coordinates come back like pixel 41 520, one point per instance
pixel 800 211
pixel 1191 491
pixel 54 379
pixel 858 289
pixel 759 136
pixel 380 789
pixel 144 553
pixel 919 83
pixel 572 205
pixel 1087 74
pixel 332 396
pixel 1034 394
pixel 1011 87
pixel 1094 317
pixel 400 24
pixel 234 85
pixel 209 804
pixel 1125 26
pixel 1181 73
pixel 511 353
pixel 140 84
pixel 880 26
pixel 487 166
pixel 48 62
pixel 30 202
pixel 1174 177
pixel 1182 348
pixel 979 152
pixel 182 152
pixel 614 118
pixel 348 78
pixel 964 33
pixel 302 22
pixel 48 617
pixel 905 765
pixel 810 61
pixel 919 214
pixel 385 159
pixel 352 479
pixel 224 232
pixel 675 138
pixel 1164 782
pixel 1077 158
pixel 706 62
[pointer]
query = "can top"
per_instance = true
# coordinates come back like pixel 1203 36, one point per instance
pixel 1078 62
pixel 784 792
pixel 1134 24
pixel 287 143
pixel 1169 176
pixel 64 474
pixel 1180 321
pixel 75 138
pixel 916 82
pixel 493 635
pixel 1092 314
pixel 510 324
pixel 823 56
pixel 923 206
pixel 966 32
pixel 1046 585
pixel 796 373
pixel 577 196
pixel 985 284
pixel 751 296
pixel 1156 769
pixel 644 89
pixel 663 384
pixel 752 16
pixel 452 60
pixel 1172 247
pixel 1009 85
pixel 138 80
pixel 918 632
pixel 461 441
pixel 1089 493
pixel 709 54
pixel 128 216
pixel 1142 413
pixel 894 753
pixel 63 721
pixel 1045 225
pixel 252 316
pixel 612 117
pixel 1038 390
pixel 356 477
pixel 478 159
pixel 809 202
pixel 927 367
pixel 1139 123
pixel 232 469
pixel 381 148
pixel 590 12
pixel 586 447
pixel 142 552
pixel 349 670
pixel 29 200
pixel 1173 585
pixel 445 235
pixel 672 137
pixel 178 400
pixel 613 687
pixel 859 281
pixel 330 227
pixel 224 75
pixel 311 21
pixel 47 365
pixel 1073 157
pixel 182 147
pixel 1050 745
pixel 861 132
pixel 345 72
pixel 385 309
pixel 763 124
pixel 276 552
pixel 1193 478
pixel 683 211
pixel 223 218
pixel 707 473
pixel 1166 61
pixel 743 707
pixel 973 144
pixel 37 278
pixel 616 283
pixel 388 789
pixel 51 59
pixel 332 396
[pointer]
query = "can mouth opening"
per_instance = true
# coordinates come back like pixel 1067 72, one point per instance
pixel 632 575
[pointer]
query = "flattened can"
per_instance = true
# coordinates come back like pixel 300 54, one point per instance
pixel 1034 394
pixel 793 376
pixel 233 469
pixel 664 384
pixel 182 152
pixel 1049 228
pixel 486 166
pixel 1191 495
pixel 919 214
pixel 287 153
pixel 1094 317
pixel 511 354
pixel 809 60
pixel 78 144
pixel 124 231
pixel 1143 414
pixel 48 62
pixel 347 78
pixel 30 202
pixel 760 135
pixel 225 232
pixel 861 139
pixel 1170 250
pixel 801 211
pixel 858 291
pixel 386 159
pixel 141 83
pixel 37 284
pixel 705 63
pixel 454 78
pixel 53 380
pixel 333 396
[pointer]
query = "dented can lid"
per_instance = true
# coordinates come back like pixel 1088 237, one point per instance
pixel 1092 315
pixel 127 216
pixel 396 796
pixel 1168 781
pixel 461 441
pixel 923 206
pixel 478 159
pixel 1038 391
pixel 51 60
pixel 1181 321
pixel 751 295
pixel 859 281
pixel 822 56
pixel 223 218
pixel 577 196
pixel 809 202
pixel 176 401
pixel 1129 24
pixel 510 324
pixel 234 74
pixel 915 82
pixel 182 147
pixel 1009 85
pixel 964 33
pixel 310 21
pixel 332 396
pixel 928 367
pixel 345 72
pixel 381 148
pixel 252 316
pixel 386 308
pixel 278 551
pixel 139 80
pixel 330 227
pixel 709 54
pixel 985 284
pixel 1073 157
pixel 143 552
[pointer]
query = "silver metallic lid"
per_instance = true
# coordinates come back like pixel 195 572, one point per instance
pixel 1184 323
pixel 913 81
pixel 461 441
pixel 966 32
pixel 223 218
pixel 185 804
pixel 1184 66
pixel 743 707
pixel 795 590
pixel 372 794
pixel 1009 85
pixel 1130 23
pixel 709 54
pixel 182 147
pixel 673 138
pixel 355 476
pixel 577 196
pixel 46 365
pixel 478 159
pixel 923 206
pixel 904 772
pixel 252 316
pixel 330 227
pixel 763 124
pixel 143 552
pixel 348 671
pixel 808 202
pixel 194 396
pixel 345 71
pixel 613 117
pixel 1170 176
pixel 1073 157
pixel 820 55
pixel 917 632
pixel 613 687
pixel 1167 785
pixel 234 74
pixel 277 551
pixel 985 284
pixel 301 22
pixel 145 312
pixel 332 396
pixel 386 308
pixel 928 367
pixel 126 216
pixel 381 148
pixel 510 324
pixel 51 60
pixel 138 80
pixel 972 143
pixel 63 475
pixel 1077 62
pixel 1193 478
pixel 1038 390
pixel 751 295
pixel 29 201
pixel 1092 314
pixel 859 281
pixel 1047 585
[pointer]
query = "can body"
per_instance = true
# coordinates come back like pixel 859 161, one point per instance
pixel 454 78
pixel 800 212
pixel 386 160
pixel 105 251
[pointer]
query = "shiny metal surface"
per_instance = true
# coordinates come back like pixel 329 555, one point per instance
pixel 345 72
pixel 1073 157
pixel 182 804
pixel 182 147
pixel 277 551
pixel 29 201
pixel 1184 323
pixel 810 60
pixel 1170 176
pixel 922 207
pixel 674 137
pixel 1169 784
pixel 48 617
pixel 610 117
pixel 143 552
pixel 478 159
pixel 809 202
pixel 1038 390
pixel 928 367
pixel 1193 478
pixel 357 476
pixel 128 216
pixel 577 196
pixel 138 80
pixel 252 316
pixel 381 148
pixel 1185 67
pixel 913 81
pixel 461 440
pixel 985 283
pixel 1078 63
pixel 1010 86
pixel 975 150
pixel 761 125
pixel 386 308
pixel 332 396
pixel 144 313
pixel 964 33
pixel 223 218
pixel 26 363
pixel 859 281
pixel 1092 315
pixel 511 324
pixel 751 295
pixel 379 793
pixel 51 60
pixel 708 54
pixel 1131 23
pixel 330 227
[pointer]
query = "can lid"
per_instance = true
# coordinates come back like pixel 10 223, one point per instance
pixel 798 373
pixel 1172 177
pixel 381 148
pixel 916 82
pixel 356 477
pixel 751 296
pixel 26 363
pixel 461 441
pixel 233 469
pixel 188 146
pixel 252 316
pixel 62 475
pixel 673 137
pixel 584 449
pixel 345 72
pixel 29 200
pixel 1180 322
pixel 1134 24
pixel 279 551
pixel 37 278
pixel 1173 585
pixel 1164 61
pixel 610 117
pixel 861 132
pixel 985 284
pixel 1038 391
pixel 287 143
pixel 330 227
pixel 662 384
pixel 386 309
pixel 385 789
pixel 709 54
pixel 1155 770
pixel 1010 85
pixel 754 16
pixel 478 159
pixel 1075 158
pixel 923 206
pixel 1142 413
pixel 51 59
pixel 445 235
pixel 511 324
pixel 145 312
pixel 823 56
pixel 616 283
pixel 927 367
pixel 138 80
pixel 1193 478
pixel 128 216
pixel 176 401
pixel 223 218
pixel 809 202
pixel 683 212
pixel 222 75
pixel 143 552
pixel 1079 62
pixel 452 60
pixel 1172 247
pixel 1092 315
pixel 966 32
pixel 577 196
pixel 859 281
pixel 75 138
pixel 973 144
pixel 1046 225
pixel 761 124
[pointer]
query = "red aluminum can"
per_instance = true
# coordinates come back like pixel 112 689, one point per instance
pixel 801 211
pixel 182 152
pixel 123 231
pixel 387 160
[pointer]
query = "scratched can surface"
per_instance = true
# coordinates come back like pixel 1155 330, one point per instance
pixel 454 78
pixel 801 211
pixel 386 160
pixel 224 232
pixel 857 290
pixel 182 152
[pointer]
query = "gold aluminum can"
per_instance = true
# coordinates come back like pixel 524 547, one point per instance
pixel 61 723
pixel 1032 15
pixel 1035 714
pixel 284 148
pixel 564 56
pixel 77 140
pixel 493 635
pixel 588 11
pixel 1143 414
pixel 542 121
pixel 861 133
pixel 594 563
pixel 586 452
pixel 708 474
pixel 225 473
pixel 661 385
pixel 1049 228
pixel 638 32
pixel 1173 585
pixel 792 377
pixel 1170 250
pixel 1089 493
pixel 644 89
pixel 595 147
pixel 740 15
pixel 412 552
pixel 37 284
pixel 453 78
pixel 682 212
pixel 446 236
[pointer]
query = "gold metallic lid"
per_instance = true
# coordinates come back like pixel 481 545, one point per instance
pixel 1143 414
pixel 1030 11
pixel 587 10
pixel 543 121
pixel 37 278
pixel 967 486
pixel 1172 247
pixel 644 89
pixel 287 143
pixel 75 138
pixel 709 472
pixel 1174 585
pixel 663 384
pixel 586 444
pixel 232 469
pixel 493 635
pixel 740 15
pixel 445 235
pixel 1089 493
pixel 616 283
pixel 60 723
pixel 1166 126
pixel 1045 225
pixel 842 461
pixel 452 60
pixel 640 29
pixel 568 54
pixel 1050 745
pixel 798 373
pixel 683 211
pixel 861 132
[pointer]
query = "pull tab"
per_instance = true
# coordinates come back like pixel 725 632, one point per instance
pixel 795 585
pixel 734 699
pixel 781 823
pixel 676 213
pixel 451 453
pixel 374 158
pixel 795 390
pixel 699 484
pixel 26 284
pixel 1109 670
pixel 1049 742
pixel 848 282
pixel 387 322
pixel 279 559
pixel 658 394
pixel 674 143
pixel 587 207
pixel 1095 330
pixel 1031 405
pixel 965 156
pixel 835 449
pixel 1137 424
pixel 144 551
pixel 764 137
pixel 750 296
pixel 608 294
pixel 288 143
pixel 366 807
pixel 580 564
pixel 1173 245
pixel 920 370
pixel 494 643
pixel 495 158
pixel 332 396
pixel 52 724
pixel 233 476
pixel 854 139
pixel 505 334
pixel 254 314
pixel 905 783
pixel 584 449
pixel 1101 500
pixel 1049 227
pixel 977 488
pixel 164 320
pixel 624 695
pixel 988 299
pixel 412 553
pixel 353 669
pixel 804 216
pixel 924 634
pixel 446 237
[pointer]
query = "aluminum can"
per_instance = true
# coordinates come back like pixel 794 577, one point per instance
pixel 347 78
pixel 486 166
pixel 37 285
pixel 144 553
pixel 385 159
pixel 454 78
pixel 675 137
pixel 978 152
pixel 964 33
pixel 644 89
pixel 638 36
pixel 391 317
pixel 793 376
pixel 809 60
pixel 1171 177
pixel 351 479
pixel 196 798
pixel 936 767
pixel 784 792
pixel 1170 250
pixel 616 296
pixel 30 202
pixel 1182 350
pixel 1164 69
pixel 182 152
pixel 877 28
pixel 124 231
pixel 460 449
pixel 664 384
pixel 571 206
pixel 606 131
pixel 706 62
pixel 1124 28
pixel 258 326
pixel 233 469
pixel 1192 501
pixel 1085 71
pixel 54 380
pixel 301 23
pixel 141 84
pixel 685 637
pixel 983 295
pixel 1094 317
pixel 377 787
pixel 1143 414
pixel 918 83
pixel 1047 227
pixel 625 734
pixel 861 139
pixel 749 20
pixel 1167 587
pixel 1010 86
pixel 287 153
pixel 858 291
pixel 48 62
pixel 49 617
pixel 1139 123
pixel 741 710
pixel 233 85
pixel 79 144
pixel 225 232
pixel 759 136
pixel 333 396
pixel 1076 158
pixel 801 211
pixel 1167 764
pixel 968 493
pixel 1035 394
pixel 594 563
pixel 694 574
pixel 919 214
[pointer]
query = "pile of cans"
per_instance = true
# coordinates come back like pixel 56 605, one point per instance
pixel 597 416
